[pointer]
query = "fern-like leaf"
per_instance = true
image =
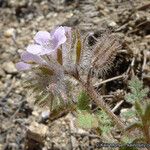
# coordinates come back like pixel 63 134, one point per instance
pixel 138 109
pixel 137 91
pixel 105 123
pixel 86 120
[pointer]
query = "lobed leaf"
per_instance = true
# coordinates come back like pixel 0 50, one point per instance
pixel 86 120
pixel 139 109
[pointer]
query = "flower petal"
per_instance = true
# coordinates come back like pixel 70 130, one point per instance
pixel 29 58
pixel 21 66
pixel 67 29
pixel 34 49
pixel 42 37
pixel 59 37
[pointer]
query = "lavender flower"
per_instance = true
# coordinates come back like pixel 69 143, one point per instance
pixel 23 66
pixel 45 44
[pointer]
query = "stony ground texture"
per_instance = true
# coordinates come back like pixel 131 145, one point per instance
pixel 20 20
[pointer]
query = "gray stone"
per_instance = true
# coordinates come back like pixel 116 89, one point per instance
pixel 2 73
pixel 37 132
pixel 9 67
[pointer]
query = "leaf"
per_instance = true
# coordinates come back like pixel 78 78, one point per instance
pixel 98 58
pixel 105 51
pixel 59 56
pixel 128 140
pixel 83 101
pixel 136 125
pixel 128 114
pixel 137 91
pixel 135 84
pixel 86 120
pixel 139 109
pixel 105 123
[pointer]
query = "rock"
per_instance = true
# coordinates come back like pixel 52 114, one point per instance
pixel 1 146
pixel 13 146
pixel 45 114
pixel 9 32
pixel 2 73
pixel 112 24
pixel 17 3
pixel 37 132
pixel 9 67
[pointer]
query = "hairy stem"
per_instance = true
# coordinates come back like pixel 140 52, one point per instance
pixel 146 134
pixel 101 104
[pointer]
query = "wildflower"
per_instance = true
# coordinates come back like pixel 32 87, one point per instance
pixel 23 66
pixel 45 44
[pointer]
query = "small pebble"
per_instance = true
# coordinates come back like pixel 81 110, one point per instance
pixel 9 67
pixel 45 114
pixel 2 73
pixel 9 32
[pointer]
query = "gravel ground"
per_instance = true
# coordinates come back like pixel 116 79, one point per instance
pixel 20 20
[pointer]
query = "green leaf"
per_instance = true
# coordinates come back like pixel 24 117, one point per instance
pixel 129 114
pixel 135 84
pixel 139 109
pixel 137 91
pixel 86 120
pixel 83 101
pixel 105 123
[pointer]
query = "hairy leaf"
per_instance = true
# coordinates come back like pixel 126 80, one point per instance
pixel 137 91
pixel 105 123
pixel 139 109
pixel 83 101
pixel 100 56
pixel 86 120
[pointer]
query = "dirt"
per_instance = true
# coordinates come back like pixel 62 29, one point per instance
pixel 21 19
